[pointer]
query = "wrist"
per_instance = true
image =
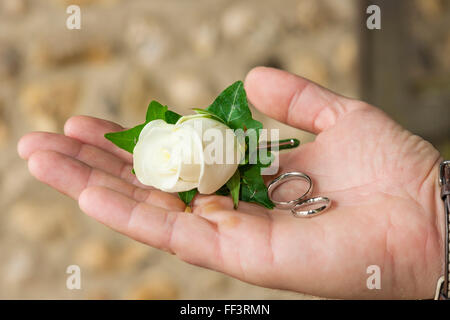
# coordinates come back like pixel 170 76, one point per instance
pixel 440 222
pixel 429 197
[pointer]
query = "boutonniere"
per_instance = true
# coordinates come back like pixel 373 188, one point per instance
pixel 215 150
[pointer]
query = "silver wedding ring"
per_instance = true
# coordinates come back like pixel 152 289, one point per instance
pixel 297 204
pixel 285 177
pixel 311 212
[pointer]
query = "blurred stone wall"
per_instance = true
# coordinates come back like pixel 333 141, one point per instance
pixel 406 67
pixel 179 52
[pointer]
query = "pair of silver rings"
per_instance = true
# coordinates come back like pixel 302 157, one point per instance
pixel 298 204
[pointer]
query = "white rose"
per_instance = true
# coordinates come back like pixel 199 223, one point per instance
pixel 193 153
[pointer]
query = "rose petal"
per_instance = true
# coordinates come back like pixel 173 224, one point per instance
pixel 155 163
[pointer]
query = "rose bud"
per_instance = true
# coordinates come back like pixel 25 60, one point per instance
pixel 196 152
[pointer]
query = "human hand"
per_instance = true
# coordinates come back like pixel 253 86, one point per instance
pixel 382 180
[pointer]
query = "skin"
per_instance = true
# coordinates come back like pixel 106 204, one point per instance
pixel 382 179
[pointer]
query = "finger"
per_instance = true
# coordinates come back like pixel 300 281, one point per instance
pixel 189 236
pixel 238 245
pixel 91 155
pixel 92 131
pixel 244 237
pixel 213 206
pixel 71 177
pixel 296 101
pixel 211 202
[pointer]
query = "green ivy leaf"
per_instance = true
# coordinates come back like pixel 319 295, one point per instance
pixel 231 106
pixel 155 111
pixel 254 158
pixel 126 139
pixel 187 196
pixel 253 188
pixel 208 113
pixel 234 185
pixel 171 117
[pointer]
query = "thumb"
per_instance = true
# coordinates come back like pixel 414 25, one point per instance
pixel 296 101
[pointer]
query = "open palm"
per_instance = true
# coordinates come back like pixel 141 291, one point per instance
pixel 380 177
